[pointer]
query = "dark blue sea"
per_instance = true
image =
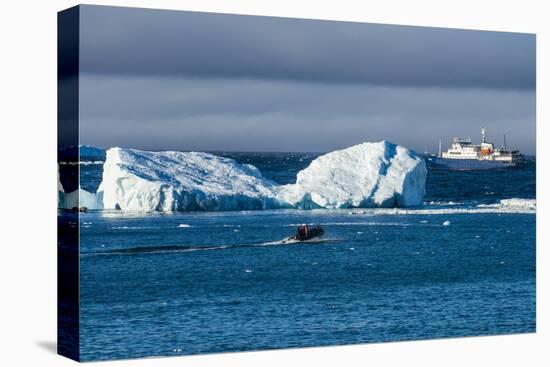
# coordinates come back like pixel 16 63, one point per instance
pixel 208 282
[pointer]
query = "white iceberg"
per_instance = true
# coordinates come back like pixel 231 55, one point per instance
pixel 60 190
pixel 76 199
pixel 179 181
pixel 81 199
pixel 366 175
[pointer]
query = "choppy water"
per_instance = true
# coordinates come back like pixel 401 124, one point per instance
pixel 170 284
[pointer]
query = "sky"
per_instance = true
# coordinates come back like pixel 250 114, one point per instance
pixel 163 80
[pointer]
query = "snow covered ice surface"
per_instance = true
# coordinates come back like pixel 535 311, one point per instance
pixel 366 175
pixel 137 180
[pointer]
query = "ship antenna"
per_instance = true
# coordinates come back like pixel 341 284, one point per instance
pixel 439 147
pixel 483 135
pixel 505 142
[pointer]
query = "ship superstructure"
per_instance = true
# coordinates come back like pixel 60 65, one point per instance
pixel 463 154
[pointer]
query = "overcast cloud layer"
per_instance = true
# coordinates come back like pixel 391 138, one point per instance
pixel 179 80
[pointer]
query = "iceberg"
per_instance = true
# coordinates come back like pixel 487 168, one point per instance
pixel 379 174
pixel 80 199
pixel 76 199
pixel 60 189
pixel 182 181
pixel 366 175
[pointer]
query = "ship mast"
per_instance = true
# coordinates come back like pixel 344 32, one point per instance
pixel 483 135
pixel 505 142
pixel 439 148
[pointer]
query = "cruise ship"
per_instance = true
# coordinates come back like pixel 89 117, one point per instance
pixel 463 155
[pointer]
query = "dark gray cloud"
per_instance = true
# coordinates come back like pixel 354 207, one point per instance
pixel 266 115
pixel 125 41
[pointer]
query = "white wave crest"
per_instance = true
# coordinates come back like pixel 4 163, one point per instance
pixel 513 204
pixel 505 206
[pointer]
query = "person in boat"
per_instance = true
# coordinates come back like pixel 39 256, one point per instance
pixel 305 232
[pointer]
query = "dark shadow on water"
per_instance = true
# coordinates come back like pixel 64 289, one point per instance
pixel 48 345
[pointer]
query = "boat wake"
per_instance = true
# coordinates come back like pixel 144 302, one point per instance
pixel 190 248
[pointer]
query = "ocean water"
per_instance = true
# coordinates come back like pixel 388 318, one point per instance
pixel 207 282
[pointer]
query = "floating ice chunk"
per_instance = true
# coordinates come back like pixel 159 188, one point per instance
pixel 60 190
pixel 365 175
pixel 59 184
pixel 513 204
pixel 179 181
pixel 81 199
pixel 184 226
pixel 447 223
